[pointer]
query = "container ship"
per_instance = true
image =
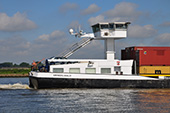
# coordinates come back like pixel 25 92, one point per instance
pixel 139 67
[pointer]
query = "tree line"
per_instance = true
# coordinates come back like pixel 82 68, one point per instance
pixel 11 65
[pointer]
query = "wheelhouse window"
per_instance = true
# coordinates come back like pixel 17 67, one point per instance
pixel 58 70
pixel 111 26
pixel 74 70
pixel 107 26
pixel 121 26
pixel 90 70
pixel 104 26
pixel 96 28
pixel 106 70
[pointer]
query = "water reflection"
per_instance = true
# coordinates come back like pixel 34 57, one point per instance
pixel 89 100
pixel 154 100
pixel 108 100
pixel 80 100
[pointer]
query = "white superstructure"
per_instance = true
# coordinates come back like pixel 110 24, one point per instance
pixel 109 32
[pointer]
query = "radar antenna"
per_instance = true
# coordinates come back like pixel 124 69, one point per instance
pixel 77 34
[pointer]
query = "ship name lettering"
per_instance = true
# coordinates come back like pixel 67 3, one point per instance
pixel 63 75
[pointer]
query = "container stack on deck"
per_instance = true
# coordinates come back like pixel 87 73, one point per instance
pixel 149 61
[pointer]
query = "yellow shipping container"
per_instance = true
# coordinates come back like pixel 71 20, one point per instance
pixel 154 70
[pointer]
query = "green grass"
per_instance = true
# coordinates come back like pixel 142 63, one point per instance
pixel 14 71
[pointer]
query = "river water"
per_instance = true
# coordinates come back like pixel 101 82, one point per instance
pixel 17 97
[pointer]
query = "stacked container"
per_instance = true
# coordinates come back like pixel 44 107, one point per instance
pixel 149 61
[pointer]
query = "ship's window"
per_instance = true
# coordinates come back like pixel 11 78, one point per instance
pixel 117 69
pixel 96 28
pixel 105 26
pixel 105 70
pixel 111 26
pixel 90 70
pixel 58 70
pixel 74 70
pixel 121 26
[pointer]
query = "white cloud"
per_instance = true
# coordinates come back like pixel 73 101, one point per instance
pixel 19 22
pixel 55 35
pixel 74 24
pixel 123 11
pixel 137 31
pixel 14 49
pixel 17 49
pixel 93 8
pixel 44 37
pixel 68 7
pixel 50 44
pixel 163 39
pixel 97 19
pixel 94 49
pixel 165 24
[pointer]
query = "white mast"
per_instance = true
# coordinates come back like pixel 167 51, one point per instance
pixel 110 49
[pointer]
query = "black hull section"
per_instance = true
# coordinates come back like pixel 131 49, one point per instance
pixel 41 83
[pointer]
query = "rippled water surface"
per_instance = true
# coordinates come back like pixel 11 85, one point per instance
pixel 17 97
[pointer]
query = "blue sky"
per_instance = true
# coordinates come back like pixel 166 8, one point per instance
pixel 35 29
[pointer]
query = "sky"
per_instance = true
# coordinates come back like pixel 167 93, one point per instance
pixel 36 29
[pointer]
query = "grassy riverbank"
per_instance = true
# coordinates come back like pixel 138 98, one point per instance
pixel 14 72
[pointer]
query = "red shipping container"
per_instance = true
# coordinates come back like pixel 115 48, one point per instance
pixel 148 56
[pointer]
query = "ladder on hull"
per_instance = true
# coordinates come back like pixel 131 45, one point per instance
pixel 75 47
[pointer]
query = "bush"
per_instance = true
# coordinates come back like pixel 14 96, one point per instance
pixel 14 71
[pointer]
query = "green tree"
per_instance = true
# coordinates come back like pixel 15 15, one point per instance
pixel 24 64
pixel 15 65
pixel 6 64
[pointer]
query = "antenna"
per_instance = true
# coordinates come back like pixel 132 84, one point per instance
pixel 71 31
pixel 79 27
pixel 77 34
